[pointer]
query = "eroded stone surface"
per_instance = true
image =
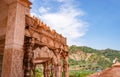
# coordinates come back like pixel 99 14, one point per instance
pixel 12 64
pixel 14 40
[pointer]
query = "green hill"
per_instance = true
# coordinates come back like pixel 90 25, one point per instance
pixel 83 58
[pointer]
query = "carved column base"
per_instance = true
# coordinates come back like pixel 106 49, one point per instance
pixel 66 66
pixel 45 68
pixel 66 70
pixel 53 71
pixel 58 71
pixel 12 63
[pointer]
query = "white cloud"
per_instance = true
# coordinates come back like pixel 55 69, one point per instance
pixel 65 21
pixel 43 10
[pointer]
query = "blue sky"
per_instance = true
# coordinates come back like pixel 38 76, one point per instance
pixel 93 23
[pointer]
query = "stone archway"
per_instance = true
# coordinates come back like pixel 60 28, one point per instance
pixel 46 47
pixel 46 57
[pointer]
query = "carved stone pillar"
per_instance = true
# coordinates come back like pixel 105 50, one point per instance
pixel 28 56
pixel 45 69
pixel 53 70
pixel 34 71
pixel 48 70
pixel 58 70
pixel 58 66
pixel 13 53
pixel 66 67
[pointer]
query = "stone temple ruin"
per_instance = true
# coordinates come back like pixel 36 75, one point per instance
pixel 26 42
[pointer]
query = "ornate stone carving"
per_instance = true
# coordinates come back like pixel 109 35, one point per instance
pixel 44 34
pixel 41 44
pixel 15 57
pixel 28 56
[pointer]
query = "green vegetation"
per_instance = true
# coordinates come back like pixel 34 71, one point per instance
pixel 83 73
pixel 39 72
pixel 90 60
